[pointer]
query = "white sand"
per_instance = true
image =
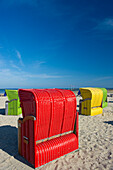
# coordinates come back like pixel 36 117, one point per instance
pixel 96 144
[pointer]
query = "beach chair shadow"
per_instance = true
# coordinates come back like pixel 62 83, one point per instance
pixel 2 111
pixel 109 122
pixel 9 142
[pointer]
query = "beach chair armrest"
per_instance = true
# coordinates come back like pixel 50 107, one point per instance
pixel 29 118
pixel 84 100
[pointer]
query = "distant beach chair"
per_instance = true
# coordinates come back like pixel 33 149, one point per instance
pixel 104 101
pixel 91 104
pixel 49 127
pixel 12 106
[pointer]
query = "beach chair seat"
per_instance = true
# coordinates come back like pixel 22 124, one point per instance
pixel 55 148
pixel 49 127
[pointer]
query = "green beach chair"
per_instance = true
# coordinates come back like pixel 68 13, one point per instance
pixel 104 103
pixel 13 103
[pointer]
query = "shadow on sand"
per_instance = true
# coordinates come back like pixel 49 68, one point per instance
pixel 9 142
pixel 109 122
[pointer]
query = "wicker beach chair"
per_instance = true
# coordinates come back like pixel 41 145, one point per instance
pixel 49 127
pixel 104 101
pixel 91 104
pixel 12 106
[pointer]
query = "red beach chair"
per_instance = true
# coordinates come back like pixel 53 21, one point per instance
pixel 49 128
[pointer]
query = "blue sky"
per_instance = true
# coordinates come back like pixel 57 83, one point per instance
pixel 56 43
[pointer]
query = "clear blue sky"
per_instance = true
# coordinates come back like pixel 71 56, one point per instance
pixel 56 43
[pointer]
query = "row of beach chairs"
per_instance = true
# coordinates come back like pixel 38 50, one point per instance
pixel 49 127
pixel 91 98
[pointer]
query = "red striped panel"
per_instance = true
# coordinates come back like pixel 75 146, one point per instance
pixel 43 113
pixel 69 110
pixel 43 121
pixel 57 111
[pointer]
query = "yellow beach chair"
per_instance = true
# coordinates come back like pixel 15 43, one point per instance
pixel 92 101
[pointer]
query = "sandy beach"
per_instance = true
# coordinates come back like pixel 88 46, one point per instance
pixel 96 143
